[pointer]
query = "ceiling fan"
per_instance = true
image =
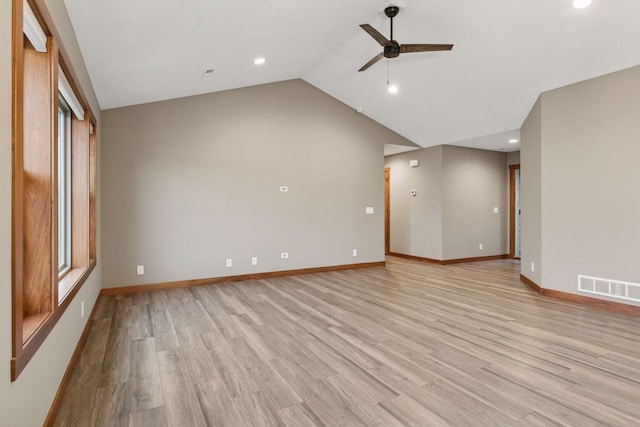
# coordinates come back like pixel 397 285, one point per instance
pixel 391 48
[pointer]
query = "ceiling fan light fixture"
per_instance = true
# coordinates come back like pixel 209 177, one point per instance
pixel 259 61
pixel 581 4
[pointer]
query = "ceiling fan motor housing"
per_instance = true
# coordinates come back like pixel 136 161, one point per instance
pixel 392 49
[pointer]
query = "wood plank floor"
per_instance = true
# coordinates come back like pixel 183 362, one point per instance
pixel 408 344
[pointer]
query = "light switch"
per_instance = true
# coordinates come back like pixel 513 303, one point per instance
pixel 495 210
pixel 368 210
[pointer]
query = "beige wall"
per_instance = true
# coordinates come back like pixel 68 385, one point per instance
pixel 26 401
pixel 452 212
pixel 416 222
pixel 5 203
pixel 590 209
pixel 473 184
pixel 513 158
pixel 531 195
pixel 190 182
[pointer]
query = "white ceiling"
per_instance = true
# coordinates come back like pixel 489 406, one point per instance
pixel 505 53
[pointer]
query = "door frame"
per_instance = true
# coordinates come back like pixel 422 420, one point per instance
pixel 387 210
pixel 512 210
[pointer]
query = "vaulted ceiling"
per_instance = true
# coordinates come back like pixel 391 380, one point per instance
pixel 506 52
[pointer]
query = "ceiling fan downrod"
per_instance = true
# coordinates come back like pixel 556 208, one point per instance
pixel 391 12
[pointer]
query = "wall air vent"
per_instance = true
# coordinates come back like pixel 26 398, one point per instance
pixel 609 288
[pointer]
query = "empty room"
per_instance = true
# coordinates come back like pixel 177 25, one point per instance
pixel 418 213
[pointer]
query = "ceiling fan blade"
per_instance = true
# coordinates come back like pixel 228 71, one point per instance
pixel 375 34
pixel 409 48
pixel 375 59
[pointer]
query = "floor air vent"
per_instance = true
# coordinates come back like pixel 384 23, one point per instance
pixel 610 288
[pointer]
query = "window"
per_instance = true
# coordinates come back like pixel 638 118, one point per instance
pixel 54 159
pixel 64 187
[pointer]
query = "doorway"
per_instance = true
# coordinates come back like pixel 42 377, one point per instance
pixel 514 211
pixel 387 209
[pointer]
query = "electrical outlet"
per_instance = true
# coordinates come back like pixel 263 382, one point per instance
pixel 229 262
pixel 284 255
pixel 140 270
pixel 82 309
pixel 496 210
pixel 254 260
pixel 480 246
pixel 355 252
pixel 284 189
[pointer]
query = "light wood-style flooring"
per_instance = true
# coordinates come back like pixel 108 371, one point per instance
pixel 408 344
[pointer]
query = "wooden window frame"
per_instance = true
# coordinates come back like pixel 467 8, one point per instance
pixel 39 295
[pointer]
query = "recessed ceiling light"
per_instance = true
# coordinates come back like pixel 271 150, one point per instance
pixel 259 61
pixel 393 89
pixel 513 141
pixel 581 4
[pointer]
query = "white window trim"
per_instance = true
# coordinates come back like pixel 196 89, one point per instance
pixel 67 92
pixel 64 193
pixel 32 29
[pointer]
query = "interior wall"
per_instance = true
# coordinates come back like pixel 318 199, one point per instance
pixel 452 212
pixel 416 222
pixel 590 176
pixel 473 185
pixel 189 183
pixel 26 401
pixel 531 194
pixel 5 200
pixel 513 158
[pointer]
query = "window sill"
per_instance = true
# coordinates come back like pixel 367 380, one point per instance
pixel 37 327
pixel 68 282
pixel 30 325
